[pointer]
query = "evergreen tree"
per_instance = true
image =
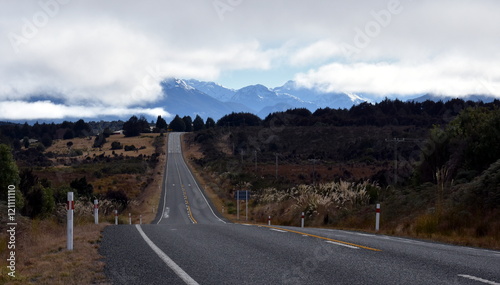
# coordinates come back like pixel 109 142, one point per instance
pixel 188 122
pixel 161 124
pixel 210 123
pixel 81 129
pixel 134 126
pixel 82 187
pixel 177 124
pixel 9 173
pixel 198 124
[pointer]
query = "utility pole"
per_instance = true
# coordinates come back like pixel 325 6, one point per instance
pixel 314 170
pixel 255 158
pixel 276 165
pixel 396 141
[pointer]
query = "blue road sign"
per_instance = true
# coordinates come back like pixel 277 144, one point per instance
pixel 242 195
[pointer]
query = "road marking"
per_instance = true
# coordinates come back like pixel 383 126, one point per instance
pixel 186 200
pixel 365 235
pixel 342 244
pixel 278 230
pixel 478 279
pixel 199 190
pixel 168 261
pixel 324 238
pixel 165 193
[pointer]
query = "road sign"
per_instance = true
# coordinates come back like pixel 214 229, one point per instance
pixel 242 195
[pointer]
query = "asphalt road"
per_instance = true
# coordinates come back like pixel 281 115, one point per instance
pixel 189 243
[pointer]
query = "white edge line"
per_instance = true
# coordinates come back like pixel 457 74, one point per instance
pixel 170 263
pixel 341 244
pixel 276 230
pixel 478 279
pixel 165 190
pixel 198 186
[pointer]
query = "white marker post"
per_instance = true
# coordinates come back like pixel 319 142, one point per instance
pixel 96 212
pixel 129 218
pixel 246 205
pixel 377 218
pixel 116 217
pixel 269 220
pixel 302 220
pixel 71 209
pixel 140 219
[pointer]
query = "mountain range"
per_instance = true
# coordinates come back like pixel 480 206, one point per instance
pixel 192 97
pixel 209 99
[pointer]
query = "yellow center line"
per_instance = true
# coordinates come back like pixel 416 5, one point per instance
pixel 320 237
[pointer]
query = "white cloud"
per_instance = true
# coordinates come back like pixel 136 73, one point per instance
pixel 317 52
pixel 19 110
pixel 114 53
pixel 447 75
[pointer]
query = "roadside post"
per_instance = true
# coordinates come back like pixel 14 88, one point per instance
pixel 71 209
pixel 129 218
pixel 377 218
pixel 96 211
pixel 269 220
pixel 302 220
pixel 116 217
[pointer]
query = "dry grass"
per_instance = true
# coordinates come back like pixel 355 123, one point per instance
pixel 42 257
pixel 85 145
pixel 41 252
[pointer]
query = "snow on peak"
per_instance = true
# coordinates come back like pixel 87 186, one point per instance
pixel 177 83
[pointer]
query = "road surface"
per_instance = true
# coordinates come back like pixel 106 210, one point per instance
pixel 190 243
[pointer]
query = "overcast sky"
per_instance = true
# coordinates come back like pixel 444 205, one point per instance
pixel 107 57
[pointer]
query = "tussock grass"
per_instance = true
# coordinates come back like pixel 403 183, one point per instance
pixel 42 257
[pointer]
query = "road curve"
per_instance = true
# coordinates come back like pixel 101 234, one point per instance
pixel 189 243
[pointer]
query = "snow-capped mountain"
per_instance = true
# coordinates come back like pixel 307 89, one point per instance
pixel 188 97
pixel 474 98
pixel 184 100
pixel 212 89
pixel 321 99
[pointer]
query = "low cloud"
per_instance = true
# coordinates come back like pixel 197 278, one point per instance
pixel 447 75
pixel 20 110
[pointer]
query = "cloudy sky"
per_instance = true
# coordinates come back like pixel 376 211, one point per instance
pixel 107 57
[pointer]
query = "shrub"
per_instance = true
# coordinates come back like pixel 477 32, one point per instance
pixel 130 147
pixel 116 145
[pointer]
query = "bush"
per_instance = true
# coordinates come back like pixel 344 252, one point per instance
pixel 116 145
pixel 130 148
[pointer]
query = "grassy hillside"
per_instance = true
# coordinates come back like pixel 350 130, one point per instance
pixel 446 188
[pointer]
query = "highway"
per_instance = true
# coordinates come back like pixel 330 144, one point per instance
pixel 190 243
